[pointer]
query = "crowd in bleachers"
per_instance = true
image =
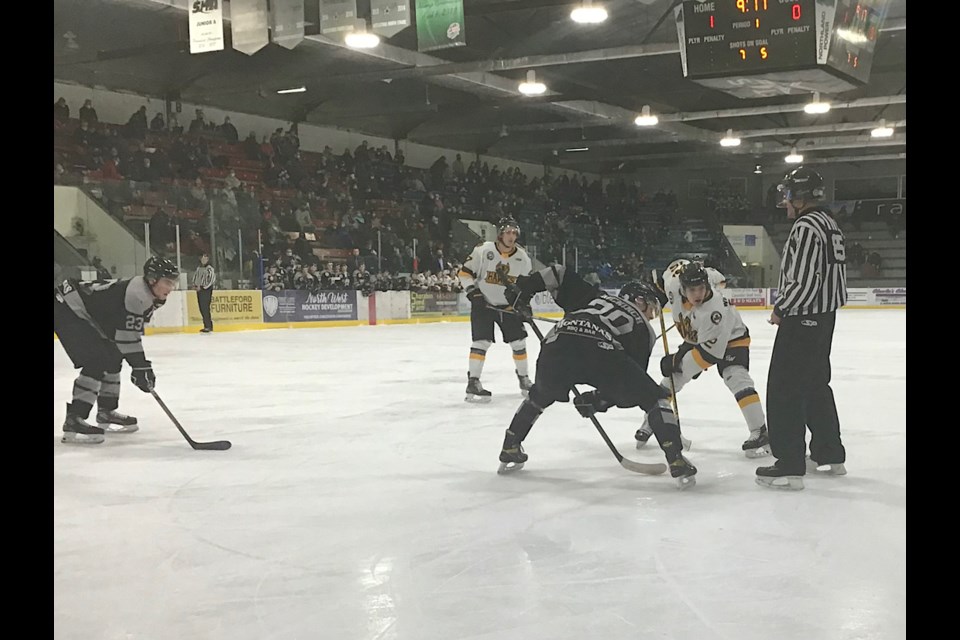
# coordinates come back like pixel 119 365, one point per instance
pixel 366 204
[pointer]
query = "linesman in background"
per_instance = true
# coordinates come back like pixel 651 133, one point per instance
pixel 813 285
pixel 203 281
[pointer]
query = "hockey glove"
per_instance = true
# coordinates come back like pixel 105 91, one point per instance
pixel 590 403
pixel 517 299
pixel 671 363
pixel 144 377
pixel 476 298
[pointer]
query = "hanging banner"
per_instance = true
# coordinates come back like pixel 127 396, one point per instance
pixel 206 26
pixel 440 24
pixel 287 22
pixel 337 16
pixel 248 24
pixel 389 17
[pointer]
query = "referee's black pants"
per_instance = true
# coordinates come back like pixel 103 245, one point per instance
pixel 799 396
pixel 204 298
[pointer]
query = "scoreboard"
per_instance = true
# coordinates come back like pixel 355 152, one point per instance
pixel 786 46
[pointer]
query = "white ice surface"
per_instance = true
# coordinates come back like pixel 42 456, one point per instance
pixel 360 501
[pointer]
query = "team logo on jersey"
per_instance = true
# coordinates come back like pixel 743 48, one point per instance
pixel 270 305
pixel 489 255
pixel 716 317
pixel 808 323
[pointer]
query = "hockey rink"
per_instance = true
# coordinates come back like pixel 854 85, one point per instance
pixel 360 501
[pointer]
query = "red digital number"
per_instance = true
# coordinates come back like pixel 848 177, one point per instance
pixel 795 12
pixel 711 22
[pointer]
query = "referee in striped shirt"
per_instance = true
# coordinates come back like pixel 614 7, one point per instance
pixel 203 281
pixel 813 285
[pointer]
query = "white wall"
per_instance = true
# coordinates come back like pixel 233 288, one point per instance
pixel 103 236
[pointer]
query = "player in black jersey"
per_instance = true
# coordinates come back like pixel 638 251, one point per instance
pixel 99 326
pixel 603 341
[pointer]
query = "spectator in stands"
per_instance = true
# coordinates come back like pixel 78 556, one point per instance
pixel 345 282
pixel 229 131
pixel 328 277
pixel 84 134
pixel 232 181
pixel 61 110
pixel 251 148
pixel 876 262
pixel 199 194
pixel 156 125
pixel 458 170
pixel 174 125
pixel 198 124
pixel 361 276
pixel 438 263
pixel 272 280
pixel 361 155
pixel 87 113
pixel 162 230
pixel 855 254
pixel 137 124
pixel 304 280
pixel 354 260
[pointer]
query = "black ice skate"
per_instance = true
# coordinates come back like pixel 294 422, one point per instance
pixel 512 459
pixel 525 384
pixel 775 477
pixel 476 392
pixel 826 468
pixel 758 444
pixel 76 430
pixel 684 472
pixel 114 422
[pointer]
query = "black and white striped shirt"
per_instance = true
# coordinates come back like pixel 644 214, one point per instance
pixel 813 271
pixel 204 277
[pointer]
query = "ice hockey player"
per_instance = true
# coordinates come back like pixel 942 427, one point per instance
pixel 603 341
pixel 99 327
pixel 485 274
pixel 713 333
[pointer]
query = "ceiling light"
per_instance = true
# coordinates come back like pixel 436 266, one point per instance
pixel 360 38
pixel 882 130
pixel 758 169
pixel 579 149
pixel 587 13
pixel 296 90
pixel 816 107
pixel 646 119
pixel 730 140
pixel 794 157
pixel 531 87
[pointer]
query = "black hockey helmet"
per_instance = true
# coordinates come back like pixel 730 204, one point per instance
pixel 505 223
pixel 693 275
pixel 157 267
pixel 637 290
pixel 802 183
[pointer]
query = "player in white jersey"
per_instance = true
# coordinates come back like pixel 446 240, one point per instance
pixel 713 333
pixel 485 274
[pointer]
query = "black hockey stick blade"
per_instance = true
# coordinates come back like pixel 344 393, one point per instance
pixel 216 445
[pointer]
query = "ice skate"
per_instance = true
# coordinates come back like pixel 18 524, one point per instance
pixel 684 472
pixel 76 430
pixel 758 444
pixel 525 384
pixel 775 477
pixel 476 393
pixel 511 459
pixel 114 422
pixel 827 469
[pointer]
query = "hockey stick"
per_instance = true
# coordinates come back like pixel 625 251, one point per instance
pixel 542 319
pixel 217 445
pixel 522 315
pixel 629 465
